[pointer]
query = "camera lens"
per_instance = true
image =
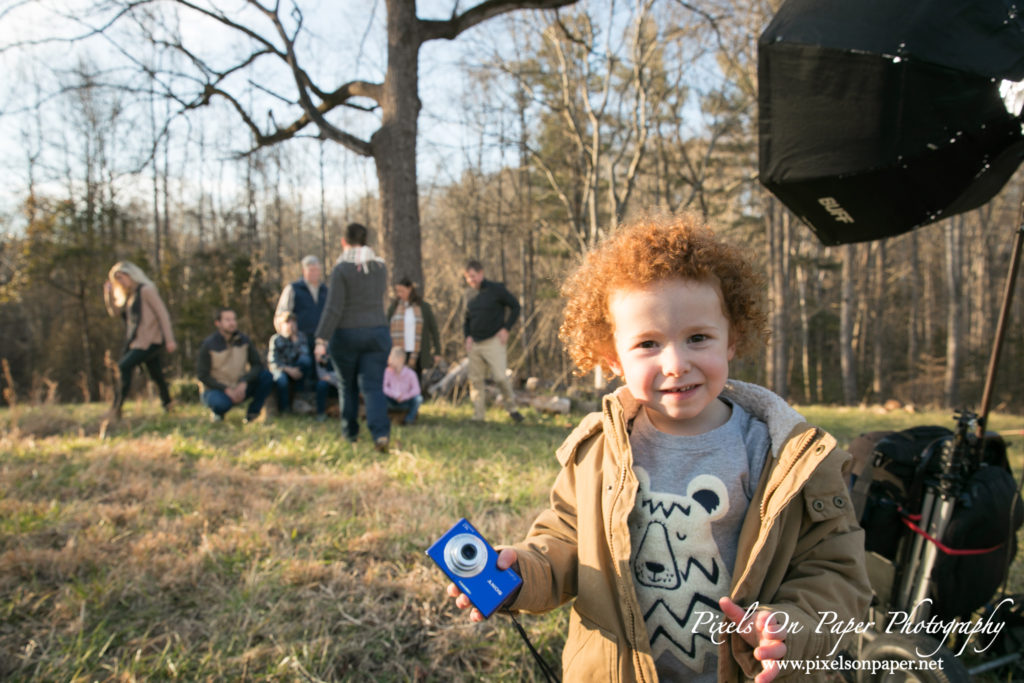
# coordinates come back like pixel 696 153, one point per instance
pixel 465 555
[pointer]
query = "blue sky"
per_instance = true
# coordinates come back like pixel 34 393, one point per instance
pixel 358 54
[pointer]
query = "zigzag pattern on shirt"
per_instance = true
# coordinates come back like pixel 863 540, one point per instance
pixel 696 600
pixel 661 630
pixel 666 510
pixel 712 575
pixel 660 634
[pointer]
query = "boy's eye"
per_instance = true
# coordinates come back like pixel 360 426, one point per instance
pixel 647 344
pixel 698 338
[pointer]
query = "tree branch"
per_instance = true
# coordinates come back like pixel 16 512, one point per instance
pixel 313 113
pixel 210 85
pixel 268 45
pixel 90 31
pixel 449 29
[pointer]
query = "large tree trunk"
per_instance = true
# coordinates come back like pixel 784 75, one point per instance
pixel 394 146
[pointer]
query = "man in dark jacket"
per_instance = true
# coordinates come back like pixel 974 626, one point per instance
pixel 231 369
pixel 491 310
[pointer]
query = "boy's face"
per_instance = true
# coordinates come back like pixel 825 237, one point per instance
pixel 672 349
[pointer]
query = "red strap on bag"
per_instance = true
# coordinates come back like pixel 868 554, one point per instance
pixel 909 521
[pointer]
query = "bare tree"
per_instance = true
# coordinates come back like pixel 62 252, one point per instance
pixel 777 225
pixel 913 314
pixel 847 362
pixel 596 91
pixel 954 312
pixel 805 328
pixel 879 344
pixel 395 99
pixel 302 103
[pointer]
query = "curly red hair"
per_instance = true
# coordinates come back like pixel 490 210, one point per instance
pixel 650 250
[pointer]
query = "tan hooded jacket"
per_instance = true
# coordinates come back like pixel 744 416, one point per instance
pixel 800 550
pixel 154 325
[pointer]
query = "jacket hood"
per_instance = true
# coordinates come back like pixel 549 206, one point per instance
pixel 768 407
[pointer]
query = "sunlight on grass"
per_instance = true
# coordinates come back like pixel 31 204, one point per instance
pixel 178 548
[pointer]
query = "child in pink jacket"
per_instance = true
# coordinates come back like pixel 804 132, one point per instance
pixel 401 387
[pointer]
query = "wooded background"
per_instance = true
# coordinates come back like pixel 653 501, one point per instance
pixel 568 123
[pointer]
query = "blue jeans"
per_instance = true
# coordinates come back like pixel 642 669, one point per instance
pixel 360 356
pixel 257 390
pixel 283 382
pixel 322 387
pixel 411 406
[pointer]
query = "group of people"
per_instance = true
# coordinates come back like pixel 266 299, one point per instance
pixel 700 526
pixel 334 334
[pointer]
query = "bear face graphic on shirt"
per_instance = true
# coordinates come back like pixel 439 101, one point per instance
pixel 677 566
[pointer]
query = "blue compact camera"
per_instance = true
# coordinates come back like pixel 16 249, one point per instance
pixel 471 563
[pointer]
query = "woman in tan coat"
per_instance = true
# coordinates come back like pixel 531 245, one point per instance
pixel 130 294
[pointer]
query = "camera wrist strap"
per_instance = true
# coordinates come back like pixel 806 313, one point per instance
pixel 548 672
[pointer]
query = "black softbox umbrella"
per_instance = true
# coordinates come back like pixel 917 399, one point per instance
pixel 878 116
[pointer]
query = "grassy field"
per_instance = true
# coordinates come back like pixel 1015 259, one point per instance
pixel 180 549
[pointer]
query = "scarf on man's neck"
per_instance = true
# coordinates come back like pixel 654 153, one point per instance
pixel 361 256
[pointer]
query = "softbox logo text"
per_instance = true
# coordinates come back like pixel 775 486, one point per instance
pixel 838 212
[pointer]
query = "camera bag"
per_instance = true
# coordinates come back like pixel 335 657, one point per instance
pixel 979 542
pixel 891 482
pixel 987 516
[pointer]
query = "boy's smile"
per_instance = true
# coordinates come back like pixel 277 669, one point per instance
pixel 672 349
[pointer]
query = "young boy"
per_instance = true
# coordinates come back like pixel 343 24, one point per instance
pixel 703 528
pixel 290 363
pixel 401 386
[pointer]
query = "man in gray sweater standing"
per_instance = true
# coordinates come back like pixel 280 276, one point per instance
pixel 354 323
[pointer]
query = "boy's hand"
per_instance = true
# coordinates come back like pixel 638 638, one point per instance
pixel 766 637
pixel 506 558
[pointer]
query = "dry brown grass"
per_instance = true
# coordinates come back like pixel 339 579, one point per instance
pixel 130 559
pixel 177 549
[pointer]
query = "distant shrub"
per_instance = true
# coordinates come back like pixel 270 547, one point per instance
pixel 185 390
